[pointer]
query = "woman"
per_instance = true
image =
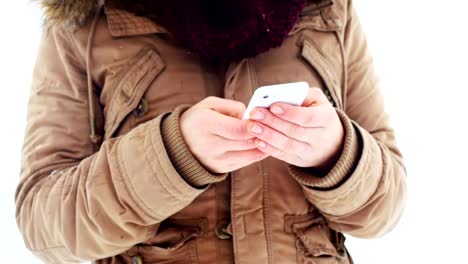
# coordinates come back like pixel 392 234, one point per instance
pixel 135 151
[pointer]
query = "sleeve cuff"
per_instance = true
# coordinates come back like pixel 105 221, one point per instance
pixel 342 169
pixel 182 159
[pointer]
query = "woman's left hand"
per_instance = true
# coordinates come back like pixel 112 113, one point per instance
pixel 310 135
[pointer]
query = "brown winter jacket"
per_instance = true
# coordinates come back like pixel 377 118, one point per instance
pixel 139 196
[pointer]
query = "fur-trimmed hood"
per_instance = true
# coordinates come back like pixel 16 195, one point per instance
pixel 75 13
pixel 67 13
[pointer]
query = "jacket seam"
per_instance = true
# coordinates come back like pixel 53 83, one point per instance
pixel 164 185
pixel 266 212
pixel 78 56
pixel 91 177
pixel 325 71
pixel 344 74
pixel 265 195
pixel 35 189
pixel 135 197
pixel 47 248
pixel 233 218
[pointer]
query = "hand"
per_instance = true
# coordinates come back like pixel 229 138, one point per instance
pixel 217 137
pixel 310 135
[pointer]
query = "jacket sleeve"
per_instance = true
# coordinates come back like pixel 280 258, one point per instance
pixel 75 204
pixel 365 192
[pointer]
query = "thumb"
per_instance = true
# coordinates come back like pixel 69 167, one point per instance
pixel 315 96
pixel 224 106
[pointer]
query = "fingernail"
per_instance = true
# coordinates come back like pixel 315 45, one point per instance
pixel 257 129
pixel 277 110
pixel 258 115
pixel 262 144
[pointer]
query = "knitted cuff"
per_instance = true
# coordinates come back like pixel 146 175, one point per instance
pixel 342 169
pixel 182 159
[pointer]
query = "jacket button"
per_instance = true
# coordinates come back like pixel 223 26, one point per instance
pixel 342 253
pixel 142 108
pixel 221 231
pixel 137 260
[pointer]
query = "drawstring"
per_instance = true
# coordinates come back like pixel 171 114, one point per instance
pixel 95 138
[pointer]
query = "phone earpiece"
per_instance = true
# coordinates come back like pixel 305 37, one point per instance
pixel 291 93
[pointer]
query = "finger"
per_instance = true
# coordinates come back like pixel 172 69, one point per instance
pixel 241 159
pixel 276 139
pixel 308 117
pixel 227 127
pixel 275 152
pixel 235 145
pixel 290 129
pixel 224 106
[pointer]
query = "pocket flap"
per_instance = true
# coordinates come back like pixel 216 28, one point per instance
pixel 144 69
pixel 315 239
pixel 174 233
pixel 174 241
pixel 313 236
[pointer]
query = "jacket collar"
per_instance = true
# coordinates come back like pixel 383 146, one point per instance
pixel 122 23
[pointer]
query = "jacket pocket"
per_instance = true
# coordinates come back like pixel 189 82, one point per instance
pixel 315 242
pixel 175 242
pixel 184 254
pixel 312 54
pixel 137 76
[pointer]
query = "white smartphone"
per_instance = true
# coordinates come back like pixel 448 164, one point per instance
pixel 290 93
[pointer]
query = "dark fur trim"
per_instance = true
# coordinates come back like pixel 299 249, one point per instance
pixel 67 13
pixel 73 14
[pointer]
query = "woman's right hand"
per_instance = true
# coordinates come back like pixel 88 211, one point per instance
pixel 217 137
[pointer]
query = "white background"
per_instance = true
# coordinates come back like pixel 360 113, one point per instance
pixel 420 49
